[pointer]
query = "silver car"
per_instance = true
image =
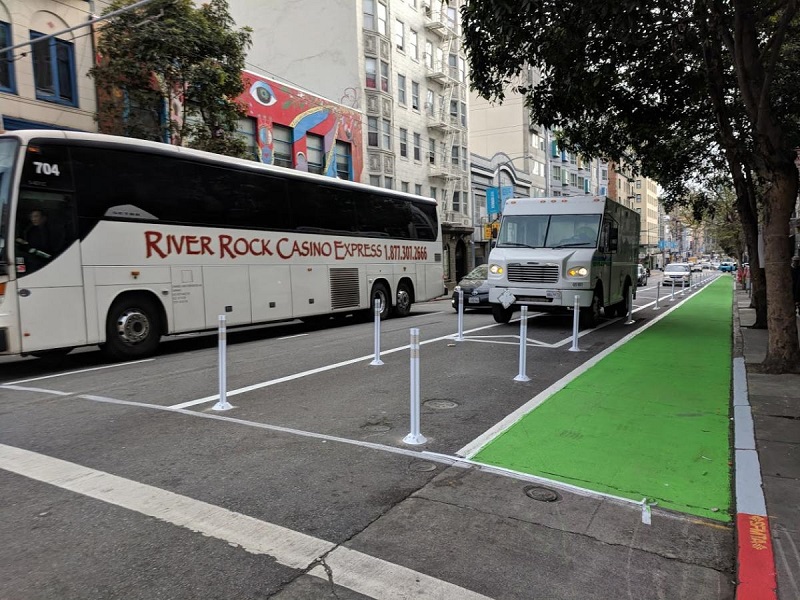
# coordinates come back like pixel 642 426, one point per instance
pixel 677 274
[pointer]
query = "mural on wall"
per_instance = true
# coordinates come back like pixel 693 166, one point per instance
pixel 271 102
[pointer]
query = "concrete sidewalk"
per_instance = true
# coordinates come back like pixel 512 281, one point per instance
pixel 775 405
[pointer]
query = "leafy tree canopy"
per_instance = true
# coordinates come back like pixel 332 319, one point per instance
pixel 171 71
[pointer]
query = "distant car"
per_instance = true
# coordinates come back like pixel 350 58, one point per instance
pixel 696 267
pixel 677 274
pixel 476 289
pixel 705 265
pixel 641 276
pixel 727 267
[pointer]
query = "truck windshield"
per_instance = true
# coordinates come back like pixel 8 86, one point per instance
pixel 549 231
pixel 8 151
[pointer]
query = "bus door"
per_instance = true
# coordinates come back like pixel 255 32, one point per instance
pixel 48 269
pixel 603 260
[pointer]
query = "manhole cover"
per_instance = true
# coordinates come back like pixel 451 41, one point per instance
pixel 376 427
pixel 542 494
pixel 440 404
pixel 422 466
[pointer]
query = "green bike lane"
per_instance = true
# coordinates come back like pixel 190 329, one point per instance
pixel 649 420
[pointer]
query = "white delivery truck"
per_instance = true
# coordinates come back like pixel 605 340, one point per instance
pixel 550 250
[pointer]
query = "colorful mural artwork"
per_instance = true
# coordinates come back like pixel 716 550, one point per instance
pixel 270 102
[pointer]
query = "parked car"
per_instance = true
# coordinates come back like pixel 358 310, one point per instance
pixel 696 267
pixel 727 267
pixel 677 274
pixel 641 276
pixel 476 289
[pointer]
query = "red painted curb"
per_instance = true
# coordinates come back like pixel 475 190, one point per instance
pixel 756 559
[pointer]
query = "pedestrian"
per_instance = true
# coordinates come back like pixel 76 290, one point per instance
pixel 38 242
pixel 796 283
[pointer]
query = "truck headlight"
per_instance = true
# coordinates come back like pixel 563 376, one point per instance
pixel 496 269
pixel 578 272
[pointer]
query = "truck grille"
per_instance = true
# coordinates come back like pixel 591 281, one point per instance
pixel 533 273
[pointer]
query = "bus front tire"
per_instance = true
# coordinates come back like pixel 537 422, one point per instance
pixel 402 305
pixel 133 328
pixel 502 314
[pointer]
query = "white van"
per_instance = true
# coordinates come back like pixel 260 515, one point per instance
pixel 550 250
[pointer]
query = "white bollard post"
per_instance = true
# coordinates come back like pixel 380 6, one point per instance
pixel 523 345
pixel 460 336
pixel 672 293
pixel 683 286
pixel 576 315
pixel 377 336
pixel 414 436
pixel 629 319
pixel 658 294
pixel 222 403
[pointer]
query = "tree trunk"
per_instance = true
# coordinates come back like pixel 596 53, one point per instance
pixel 746 206
pixel 783 351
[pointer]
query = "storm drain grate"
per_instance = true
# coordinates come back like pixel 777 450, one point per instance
pixel 542 494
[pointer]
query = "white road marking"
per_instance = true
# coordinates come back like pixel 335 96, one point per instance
pixel 288 337
pixel 33 389
pixel 351 569
pixel 125 364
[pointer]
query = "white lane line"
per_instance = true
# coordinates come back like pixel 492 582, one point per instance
pixel 351 569
pixel 114 366
pixel 33 389
pixel 352 361
pixel 289 337
pixel 479 442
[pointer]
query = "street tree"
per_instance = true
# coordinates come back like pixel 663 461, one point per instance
pixel 171 72
pixel 672 81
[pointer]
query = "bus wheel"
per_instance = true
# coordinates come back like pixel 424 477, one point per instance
pixel 502 314
pixel 380 292
pixel 133 328
pixel 590 316
pixel 402 304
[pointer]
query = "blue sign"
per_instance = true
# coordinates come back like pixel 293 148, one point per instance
pixel 667 244
pixel 496 198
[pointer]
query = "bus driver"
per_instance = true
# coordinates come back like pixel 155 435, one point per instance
pixel 39 241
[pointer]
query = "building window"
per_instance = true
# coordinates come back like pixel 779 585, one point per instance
pixel 344 160
pixel 386 134
pixel 418 189
pixel 6 70
pixel 369 14
pixel 456 201
pixel 429 102
pixel 417 146
pixel 451 18
pixel 282 146
pixel 54 70
pixel 316 153
pixel 433 192
pixel 432 151
pixel 404 143
pixel 415 95
pixel 375 180
pixel 464 156
pixel 382 18
pixel 463 114
pixel 399 35
pixel 454 159
pixel 462 70
pixel 638 184
pixel 372 131
pixel 388 183
pixel 638 197
pixel 452 63
pixel 556 172
pixel 413 43
pixel 384 76
pixel 428 54
pixel 401 89
pixel 454 111
pixel 371 67
pixel 247 131
pixel 404 186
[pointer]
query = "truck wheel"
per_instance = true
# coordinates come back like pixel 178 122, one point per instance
pixel 133 328
pixel 501 314
pixel 590 316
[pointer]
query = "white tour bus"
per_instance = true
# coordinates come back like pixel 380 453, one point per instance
pixel 550 250
pixel 115 241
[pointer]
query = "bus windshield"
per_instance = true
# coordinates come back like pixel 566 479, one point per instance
pixel 549 231
pixel 8 151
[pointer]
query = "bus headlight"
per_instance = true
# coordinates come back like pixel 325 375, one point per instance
pixel 577 271
pixel 496 269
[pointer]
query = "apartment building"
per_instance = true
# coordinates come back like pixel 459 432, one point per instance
pixel 402 64
pixel 45 84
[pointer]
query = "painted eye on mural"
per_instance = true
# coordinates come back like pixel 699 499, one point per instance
pixel 263 93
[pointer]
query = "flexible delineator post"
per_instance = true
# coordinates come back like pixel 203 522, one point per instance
pixel 576 315
pixel 377 335
pixel 414 436
pixel 222 403
pixel 460 336
pixel 629 319
pixel 658 294
pixel 523 345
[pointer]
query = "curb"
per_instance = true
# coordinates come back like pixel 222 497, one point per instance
pixel 756 579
